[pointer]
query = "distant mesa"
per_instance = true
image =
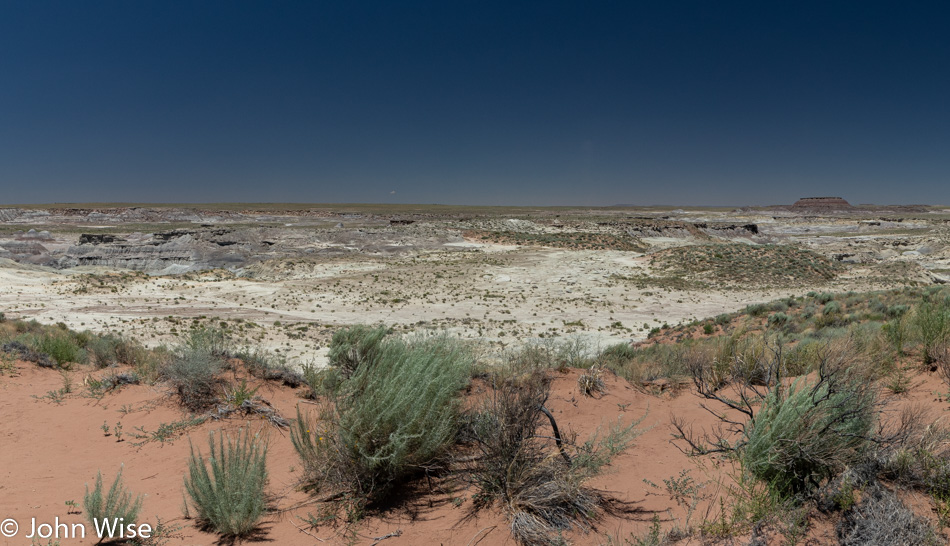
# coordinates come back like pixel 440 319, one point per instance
pixel 822 203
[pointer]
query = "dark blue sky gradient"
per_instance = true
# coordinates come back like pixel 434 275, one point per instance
pixel 474 102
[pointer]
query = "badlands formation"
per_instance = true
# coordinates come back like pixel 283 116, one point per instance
pixel 289 275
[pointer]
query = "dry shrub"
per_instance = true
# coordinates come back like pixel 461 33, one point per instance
pixel 534 479
pixel 534 485
pixel 881 519
pixel 591 382
pixel 916 451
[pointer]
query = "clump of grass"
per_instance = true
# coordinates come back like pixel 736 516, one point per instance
pixel 932 325
pixel 117 503
pixel 396 414
pixel 227 488
pixel 265 365
pixel 573 352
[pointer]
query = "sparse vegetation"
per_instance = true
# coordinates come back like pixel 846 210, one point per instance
pixel 746 265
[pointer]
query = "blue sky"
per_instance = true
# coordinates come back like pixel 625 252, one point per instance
pixel 528 103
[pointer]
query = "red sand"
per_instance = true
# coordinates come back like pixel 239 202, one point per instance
pixel 51 450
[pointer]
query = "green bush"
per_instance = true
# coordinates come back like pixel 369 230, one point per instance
pixel 932 325
pixel 394 415
pixel 898 310
pixel 117 503
pixel 352 346
pixel 809 432
pixel 110 350
pixel 619 351
pixel 227 488
pixel 62 347
pixel 193 369
pixel 778 320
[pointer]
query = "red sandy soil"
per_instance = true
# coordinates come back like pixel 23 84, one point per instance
pixel 49 451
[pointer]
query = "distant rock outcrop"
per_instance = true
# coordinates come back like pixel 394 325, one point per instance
pixel 822 203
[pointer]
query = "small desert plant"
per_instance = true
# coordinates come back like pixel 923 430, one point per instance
pixel 896 334
pixel 777 320
pixel 352 346
pixel 540 493
pixel 321 381
pixel 591 382
pixel 236 396
pixel 211 341
pixel 103 352
pixel 117 503
pixel 792 436
pixel 110 349
pixel 227 488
